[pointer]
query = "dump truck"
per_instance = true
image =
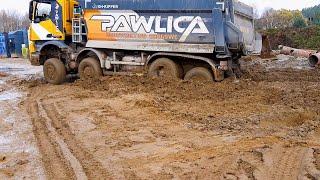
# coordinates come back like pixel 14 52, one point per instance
pixel 186 39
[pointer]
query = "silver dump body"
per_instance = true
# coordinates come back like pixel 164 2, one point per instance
pixel 244 20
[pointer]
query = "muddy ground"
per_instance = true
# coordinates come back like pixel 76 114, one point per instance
pixel 264 125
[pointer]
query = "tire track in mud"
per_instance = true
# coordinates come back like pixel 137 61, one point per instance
pixel 289 165
pixel 76 160
pixel 93 169
pixel 52 157
pixel 310 166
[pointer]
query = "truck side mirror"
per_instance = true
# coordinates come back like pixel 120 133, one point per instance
pixel 31 7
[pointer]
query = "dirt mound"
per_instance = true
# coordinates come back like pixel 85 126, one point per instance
pixel 258 74
pixel 236 106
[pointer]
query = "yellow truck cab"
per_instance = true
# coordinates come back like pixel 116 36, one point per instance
pixel 51 24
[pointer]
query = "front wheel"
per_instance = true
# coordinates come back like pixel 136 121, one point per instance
pixel 90 68
pixel 54 71
pixel 199 74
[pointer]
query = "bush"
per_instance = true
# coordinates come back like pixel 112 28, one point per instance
pixel 299 22
pixel 302 38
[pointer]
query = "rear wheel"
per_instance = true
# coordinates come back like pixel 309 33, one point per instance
pixel 199 74
pixel 54 71
pixel 165 68
pixel 90 68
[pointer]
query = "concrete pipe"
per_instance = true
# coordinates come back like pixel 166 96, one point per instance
pixel 314 60
pixel 303 53
pixel 286 50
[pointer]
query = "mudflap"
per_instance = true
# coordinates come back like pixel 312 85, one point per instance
pixel 234 68
pixel 35 59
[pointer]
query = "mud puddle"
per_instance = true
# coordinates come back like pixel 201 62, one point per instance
pixel 10 95
pixel 8 69
pixel 17 143
pixel 18 67
pixel 19 155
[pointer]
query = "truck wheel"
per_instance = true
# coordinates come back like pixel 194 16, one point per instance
pixel 199 74
pixel 164 67
pixel 54 71
pixel 90 68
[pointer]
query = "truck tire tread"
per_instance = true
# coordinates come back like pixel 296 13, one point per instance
pixel 54 71
pixel 173 69
pixel 90 68
pixel 200 74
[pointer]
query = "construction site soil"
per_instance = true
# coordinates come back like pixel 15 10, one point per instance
pixel 264 125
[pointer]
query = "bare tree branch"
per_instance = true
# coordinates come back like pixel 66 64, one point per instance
pixel 12 21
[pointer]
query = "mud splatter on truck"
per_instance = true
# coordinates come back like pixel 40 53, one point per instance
pixel 180 39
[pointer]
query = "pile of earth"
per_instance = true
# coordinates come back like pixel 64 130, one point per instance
pixel 263 101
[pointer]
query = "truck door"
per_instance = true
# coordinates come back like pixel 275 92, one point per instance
pixel 46 21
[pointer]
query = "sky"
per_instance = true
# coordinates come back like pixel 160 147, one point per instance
pixel 281 4
pixel 22 5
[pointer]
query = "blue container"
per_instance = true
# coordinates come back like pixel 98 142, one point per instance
pixel 3 48
pixel 25 38
pixel 16 39
pixel 4 45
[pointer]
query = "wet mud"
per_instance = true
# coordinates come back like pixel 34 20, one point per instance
pixel 264 125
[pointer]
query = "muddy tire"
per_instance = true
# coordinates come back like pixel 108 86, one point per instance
pixel 54 71
pixel 165 68
pixel 199 74
pixel 90 68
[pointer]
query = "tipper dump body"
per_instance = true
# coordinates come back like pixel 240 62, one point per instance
pixel 202 26
pixel 180 38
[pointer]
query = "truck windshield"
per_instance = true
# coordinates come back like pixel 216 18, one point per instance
pixel 43 12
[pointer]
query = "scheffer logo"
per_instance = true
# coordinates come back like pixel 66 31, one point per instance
pixel 140 24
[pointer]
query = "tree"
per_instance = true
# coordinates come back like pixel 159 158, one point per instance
pixel 267 19
pixel 283 18
pixel 12 21
pixel 299 22
pixel 312 14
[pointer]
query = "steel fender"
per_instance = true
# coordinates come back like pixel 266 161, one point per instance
pixel 218 74
pixel 100 54
pixel 59 44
